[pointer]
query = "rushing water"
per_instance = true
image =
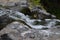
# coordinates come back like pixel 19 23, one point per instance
pixel 31 22
pixel 49 24
pixel 34 23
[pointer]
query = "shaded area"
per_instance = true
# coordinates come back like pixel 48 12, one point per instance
pixel 5 20
pixel 52 6
pixel 5 37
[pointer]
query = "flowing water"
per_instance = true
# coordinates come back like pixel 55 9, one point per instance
pixel 34 23
pixel 47 28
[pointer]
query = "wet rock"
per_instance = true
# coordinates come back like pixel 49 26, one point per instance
pixel 24 8
pixel 19 30
pixel 58 23
pixel 26 11
pixel 39 23
pixel 4 20
pixel 8 16
pixel 41 14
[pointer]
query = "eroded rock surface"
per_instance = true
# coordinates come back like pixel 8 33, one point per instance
pixel 18 31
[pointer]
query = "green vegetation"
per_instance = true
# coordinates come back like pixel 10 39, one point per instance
pixel 34 3
pixel 52 6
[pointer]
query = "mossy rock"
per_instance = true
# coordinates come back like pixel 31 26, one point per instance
pixel 25 10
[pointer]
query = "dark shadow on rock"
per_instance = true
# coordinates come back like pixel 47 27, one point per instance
pixel 5 20
pixel 5 37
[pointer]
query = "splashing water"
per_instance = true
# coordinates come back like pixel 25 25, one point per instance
pixel 20 16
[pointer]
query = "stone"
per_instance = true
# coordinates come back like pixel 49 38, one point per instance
pixel 4 18
pixel 14 30
pixel 31 34
pixel 9 2
pixel 5 37
pixel 15 26
pixel 38 13
pixel 26 11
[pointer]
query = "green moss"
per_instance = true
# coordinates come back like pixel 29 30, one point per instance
pixel 34 3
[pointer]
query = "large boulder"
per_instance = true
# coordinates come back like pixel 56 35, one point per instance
pixel 13 31
pixel 18 31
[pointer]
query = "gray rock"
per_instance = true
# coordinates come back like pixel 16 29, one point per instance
pixel 10 2
pixel 41 13
pixel 4 18
pixel 31 34
pixel 5 37
pixel 14 30
pixel 8 16
pixel 18 26
pixel 15 26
